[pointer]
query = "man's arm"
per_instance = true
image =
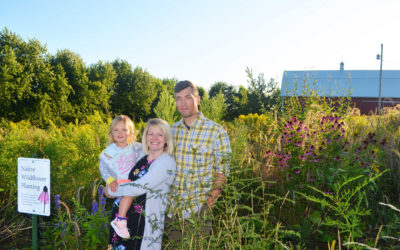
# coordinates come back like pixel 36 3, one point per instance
pixel 219 181
pixel 222 151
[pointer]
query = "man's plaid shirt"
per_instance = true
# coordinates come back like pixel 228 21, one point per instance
pixel 200 153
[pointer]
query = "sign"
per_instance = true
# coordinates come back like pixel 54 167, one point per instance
pixel 34 186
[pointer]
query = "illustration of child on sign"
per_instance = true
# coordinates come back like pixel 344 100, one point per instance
pixel 44 197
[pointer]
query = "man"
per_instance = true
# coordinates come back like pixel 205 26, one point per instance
pixel 202 150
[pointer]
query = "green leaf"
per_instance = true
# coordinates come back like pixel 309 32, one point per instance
pixel 315 217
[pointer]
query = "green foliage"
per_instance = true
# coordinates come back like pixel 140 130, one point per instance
pixel 263 96
pixel 134 91
pixel 214 108
pixel 166 108
pixel 59 89
pixel 77 227
pixel 346 205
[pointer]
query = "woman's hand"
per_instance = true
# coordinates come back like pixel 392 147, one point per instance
pixel 114 186
pixel 107 194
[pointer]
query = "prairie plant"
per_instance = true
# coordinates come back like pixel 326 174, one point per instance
pixel 343 206
pixel 78 227
pixel 65 232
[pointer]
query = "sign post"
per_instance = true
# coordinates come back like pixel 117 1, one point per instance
pixel 34 190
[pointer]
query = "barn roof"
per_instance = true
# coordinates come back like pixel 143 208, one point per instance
pixel 354 83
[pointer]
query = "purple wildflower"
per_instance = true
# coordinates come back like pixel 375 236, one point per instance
pixel 102 203
pixel 311 179
pixel 94 207
pixel 100 191
pixel 57 200
pixel 138 208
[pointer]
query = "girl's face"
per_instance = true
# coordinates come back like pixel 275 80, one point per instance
pixel 121 134
pixel 155 139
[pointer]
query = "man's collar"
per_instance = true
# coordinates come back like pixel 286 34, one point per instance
pixel 198 119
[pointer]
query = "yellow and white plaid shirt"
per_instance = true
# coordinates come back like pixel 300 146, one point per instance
pixel 200 153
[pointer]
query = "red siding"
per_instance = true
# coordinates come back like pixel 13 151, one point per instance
pixel 370 105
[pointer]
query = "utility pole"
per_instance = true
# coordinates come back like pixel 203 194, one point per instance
pixel 380 56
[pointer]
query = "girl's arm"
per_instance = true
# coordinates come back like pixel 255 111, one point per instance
pixel 105 169
pixel 161 171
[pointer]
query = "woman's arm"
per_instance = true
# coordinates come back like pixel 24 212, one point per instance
pixel 161 170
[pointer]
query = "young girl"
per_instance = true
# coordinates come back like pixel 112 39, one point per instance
pixel 121 155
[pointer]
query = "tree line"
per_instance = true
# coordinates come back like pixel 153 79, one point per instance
pixel 58 89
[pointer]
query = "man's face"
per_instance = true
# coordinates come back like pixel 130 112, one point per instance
pixel 187 103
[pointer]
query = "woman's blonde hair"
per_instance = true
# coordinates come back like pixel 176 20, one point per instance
pixel 163 125
pixel 128 122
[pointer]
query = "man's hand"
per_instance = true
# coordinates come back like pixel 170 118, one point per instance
pixel 114 186
pixel 215 193
pixel 213 197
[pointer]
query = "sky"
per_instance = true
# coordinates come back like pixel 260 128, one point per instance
pixel 215 40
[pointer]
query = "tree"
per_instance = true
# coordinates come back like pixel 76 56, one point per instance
pixel 202 92
pixel 169 84
pixel 262 95
pixel 166 108
pixel 214 108
pixel 134 92
pixel 30 89
pixel 123 87
pixel 101 83
pixel 241 101
pixel 144 93
pixel 13 84
pixel 75 73
pixel 229 93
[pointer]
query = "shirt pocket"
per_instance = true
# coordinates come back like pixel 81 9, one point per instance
pixel 203 157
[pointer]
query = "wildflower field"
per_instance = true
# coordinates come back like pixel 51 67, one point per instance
pixel 309 177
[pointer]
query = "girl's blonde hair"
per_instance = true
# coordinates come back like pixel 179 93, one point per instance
pixel 128 122
pixel 163 125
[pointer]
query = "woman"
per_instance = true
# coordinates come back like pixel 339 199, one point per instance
pixel 151 179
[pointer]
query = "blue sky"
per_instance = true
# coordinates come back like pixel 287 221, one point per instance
pixel 208 41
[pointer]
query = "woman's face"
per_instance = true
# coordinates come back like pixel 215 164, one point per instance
pixel 155 139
